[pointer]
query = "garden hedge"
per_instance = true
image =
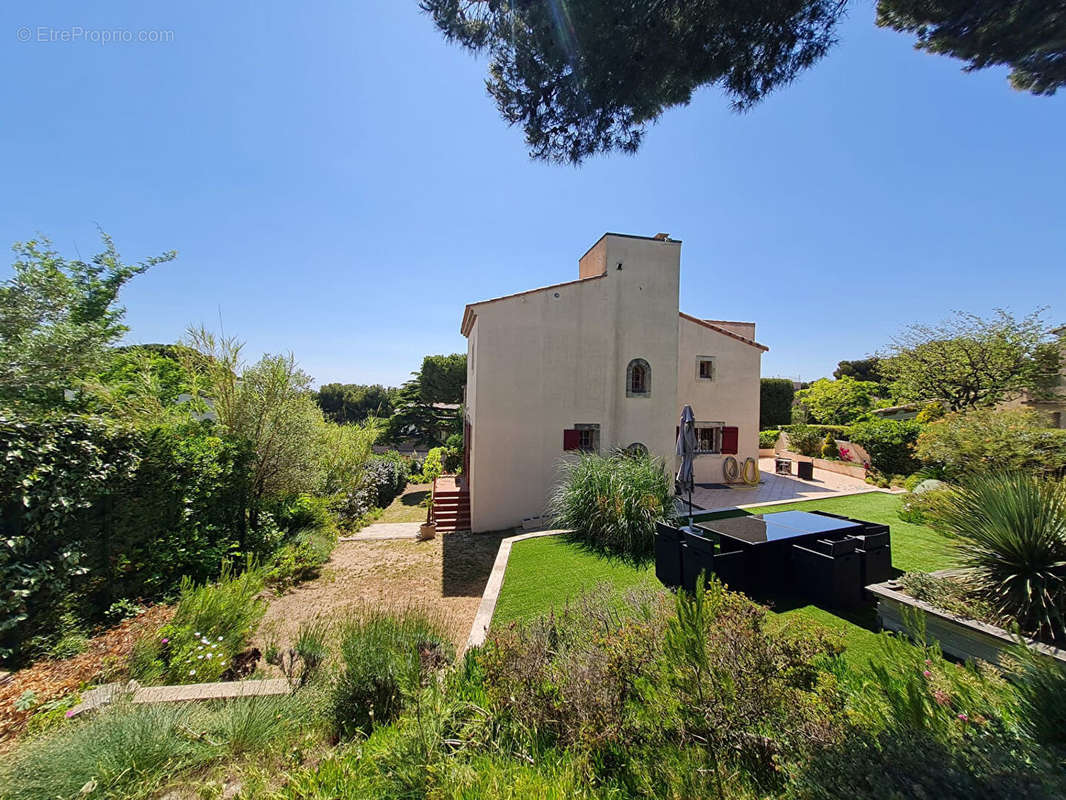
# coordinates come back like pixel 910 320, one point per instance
pixel 775 402
pixel 94 513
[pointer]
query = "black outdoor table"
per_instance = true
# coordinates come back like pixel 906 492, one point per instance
pixel 767 540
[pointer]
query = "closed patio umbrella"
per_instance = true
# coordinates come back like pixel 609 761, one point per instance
pixel 686 448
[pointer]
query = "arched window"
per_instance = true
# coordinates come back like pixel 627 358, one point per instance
pixel 638 378
pixel 636 449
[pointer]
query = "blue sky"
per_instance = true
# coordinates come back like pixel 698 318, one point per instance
pixel 338 184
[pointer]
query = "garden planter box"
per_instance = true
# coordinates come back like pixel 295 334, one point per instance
pixel 767 452
pixel 961 638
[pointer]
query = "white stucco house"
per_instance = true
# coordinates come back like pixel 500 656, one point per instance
pixel 598 363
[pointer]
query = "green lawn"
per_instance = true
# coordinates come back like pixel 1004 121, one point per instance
pixel 915 548
pixel 548 572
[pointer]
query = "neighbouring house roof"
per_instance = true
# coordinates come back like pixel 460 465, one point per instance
pixel 723 331
pixel 896 409
pixel 469 315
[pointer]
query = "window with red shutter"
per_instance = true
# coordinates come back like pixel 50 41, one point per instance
pixel 730 440
pixel 571 439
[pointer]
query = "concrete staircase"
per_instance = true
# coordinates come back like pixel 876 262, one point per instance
pixel 451 504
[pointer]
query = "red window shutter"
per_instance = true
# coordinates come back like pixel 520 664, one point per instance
pixel 571 439
pixel 730 438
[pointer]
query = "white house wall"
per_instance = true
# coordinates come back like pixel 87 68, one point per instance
pixel 731 397
pixel 544 361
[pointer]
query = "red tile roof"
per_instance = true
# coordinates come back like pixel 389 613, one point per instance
pixel 722 331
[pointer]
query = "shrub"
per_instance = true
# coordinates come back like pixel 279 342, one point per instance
pixel 386 477
pixel 926 727
pixel 303 511
pixel 629 685
pixel 926 507
pixel 433 466
pixel 1011 532
pixel 382 479
pixel 385 658
pixel 211 625
pixel 924 474
pixel 829 447
pixel 453 453
pixel 750 695
pixel 296 562
pixel 890 444
pixel 768 439
pixel 613 502
pixel 567 676
pixel 804 439
pixel 1041 683
pixel 992 439
pixel 930 412
pixel 949 594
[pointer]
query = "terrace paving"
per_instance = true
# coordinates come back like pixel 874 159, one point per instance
pixel 778 488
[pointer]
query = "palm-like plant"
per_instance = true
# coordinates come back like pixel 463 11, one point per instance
pixel 1011 530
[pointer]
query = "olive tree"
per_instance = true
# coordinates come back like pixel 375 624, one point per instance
pixel 970 361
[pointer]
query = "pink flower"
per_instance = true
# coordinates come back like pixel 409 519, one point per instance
pixel 941 698
pixel 165 640
pixel 927 673
pixel 70 713
pixel 964 718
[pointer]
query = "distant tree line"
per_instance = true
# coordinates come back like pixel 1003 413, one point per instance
pixel 425 410
pixel 964 363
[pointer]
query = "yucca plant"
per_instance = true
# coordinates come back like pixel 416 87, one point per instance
pixel 613 502
pixel 1011 533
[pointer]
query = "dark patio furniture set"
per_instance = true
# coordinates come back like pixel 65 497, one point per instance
pixel 824 557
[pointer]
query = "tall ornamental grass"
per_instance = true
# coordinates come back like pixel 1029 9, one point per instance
pixel 106 756
pixel 1011 532
pixel 613 502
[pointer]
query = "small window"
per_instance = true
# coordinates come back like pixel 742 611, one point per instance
pixel 638 378
pixel 708 437
pixel 705 368
pixel 585 438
